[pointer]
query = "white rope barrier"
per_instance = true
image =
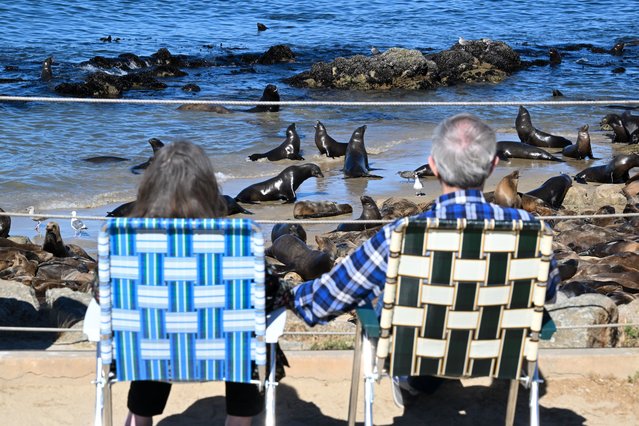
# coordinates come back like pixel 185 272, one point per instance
pixel 312 103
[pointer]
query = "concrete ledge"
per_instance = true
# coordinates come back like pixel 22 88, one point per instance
pixel 330 365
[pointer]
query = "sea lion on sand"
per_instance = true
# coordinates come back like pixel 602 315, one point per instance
pixel 420 172
pixel 156 144
pixel 290 148
pixel 582 149
pixel 232 207
pixel 122 210
pixel 280 229
pixel 553 191
pixel 298 257
pixel 506 191
pixel 270 94
pixel 314 209
pixel 530 135
pixel 616 171
pixel 394 208
pixel 326 144
pixel 46 74
pixel 369 212
pixel 356 158
pixel 280 187
pixel 509 149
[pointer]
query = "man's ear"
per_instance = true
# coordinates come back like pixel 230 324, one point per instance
pixel 494 164
pixel 433 167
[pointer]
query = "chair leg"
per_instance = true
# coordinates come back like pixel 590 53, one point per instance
pixel 270 388
pixel 356 376
pixel 369 381
pixel 99 392
pixel 534 394
pixel 512 402
pixel 107 414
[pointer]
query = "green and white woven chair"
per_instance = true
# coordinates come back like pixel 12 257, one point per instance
pixel 462 299
pixel 182 300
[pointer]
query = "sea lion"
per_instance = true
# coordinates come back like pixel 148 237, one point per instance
pixel 280 229
pixel 582 149
pixel 290 148
pixel 219 109
pixel 617 49
pixel 103 159
pixel 356 158
pixel 298 257
pixel 156 144
pixel 532 136
pixel 46 74
pixel 611 247
pixel 280 187
pixel 509 149
pixel 615 123
pixel 5 225
pixel 270 94
pixel 261 27
pixel 555 56
pixel 315 209
pixel 232 207
pixel 53 241
pixel 616 171
pixel 553 191
pixel 369 212
pixel 326 144
pixel 420 172
pixel 123 210
pixel 394 208
pixel 506 191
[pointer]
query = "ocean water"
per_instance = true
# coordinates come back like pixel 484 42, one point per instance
pixel 42 144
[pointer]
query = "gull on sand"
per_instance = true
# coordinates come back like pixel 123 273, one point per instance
pixel 77 225
pixel 37 219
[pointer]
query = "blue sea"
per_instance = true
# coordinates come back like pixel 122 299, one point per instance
pixel 42 144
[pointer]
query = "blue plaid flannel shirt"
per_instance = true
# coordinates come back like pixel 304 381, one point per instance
pixel 361 276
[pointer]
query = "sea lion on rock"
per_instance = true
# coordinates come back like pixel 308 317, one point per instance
pixel 290 148
pixel 270 94
pixel 156 144
pixel 509 149
pixel 582 149
pixel 420 172
pixel 315 209
pixel 611 247
pixel 356 158
pixel 616 171
pixel 53 241
pixel 506 191
pixel 280 187
pixel 553 191
pixel 394 208
pixel 298 257
pixel 532 136
pixel 280 229
pixel 326 144
pixel 369 212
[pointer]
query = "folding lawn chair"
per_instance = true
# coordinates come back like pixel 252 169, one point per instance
pixel 462 299
pixel 183 300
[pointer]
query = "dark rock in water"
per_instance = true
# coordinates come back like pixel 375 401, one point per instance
pixel 618 70
pixel 261 27
pixel 475 61
pixel 5 225
pixel 277 54
pixel 191 87
pixel 163 71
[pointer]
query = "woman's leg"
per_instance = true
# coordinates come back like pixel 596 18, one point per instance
pixel 243 401
pixel 146 399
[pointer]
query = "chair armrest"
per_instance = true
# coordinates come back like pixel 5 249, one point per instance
pixel 275 322
pixel 91 324
pixel 369 321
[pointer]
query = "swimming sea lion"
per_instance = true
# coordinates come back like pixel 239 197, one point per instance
pixel 261 27
pixel 616 171
pixel 314 209
pixel 280 187
pixel 530 135
pixel 326 144
pixel 356 158
pixel 617 49
pixel 506 191
pixel 582 149
pixel 280 229
pixel 270 94
pixel 553 191
pixel 420 172
pixel 46 74
pixel 508 149
pixel 298 257
pixel 369 212
pixel 123 210
pixel 5 225
pixel 232 207
pixel 156 144
pixel 205 108
pixel 53 241
pixel 290 148
pixel 555 56
pixel 102 159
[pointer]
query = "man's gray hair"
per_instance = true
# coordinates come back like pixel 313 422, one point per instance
pixel 463 150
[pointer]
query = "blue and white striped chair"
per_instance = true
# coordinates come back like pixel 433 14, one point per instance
pixel 182 300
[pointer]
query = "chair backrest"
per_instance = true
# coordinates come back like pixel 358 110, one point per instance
pixel 182 299
pixel 464 298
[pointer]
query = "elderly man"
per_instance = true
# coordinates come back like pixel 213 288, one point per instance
pixel 462 158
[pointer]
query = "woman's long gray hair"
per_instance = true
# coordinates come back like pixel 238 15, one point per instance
pixel 464 148
pixel 180 182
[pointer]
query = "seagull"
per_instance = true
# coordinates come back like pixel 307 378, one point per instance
pixel 77 225
pixel 418 186
pixel 462 41
pixel 375 51
pixel 37 219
